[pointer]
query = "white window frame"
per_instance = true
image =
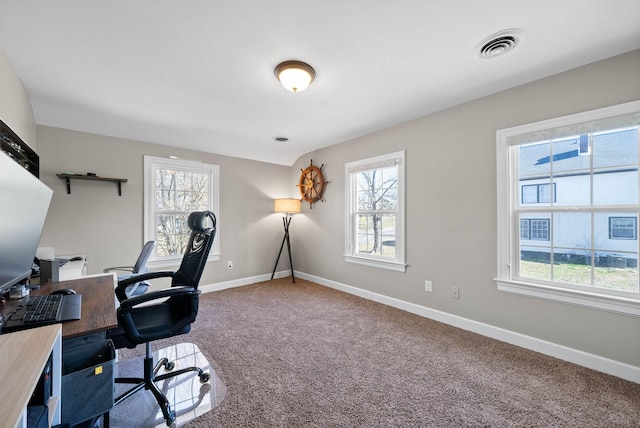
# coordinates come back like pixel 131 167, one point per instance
pixel 151 164
pixel 351 169
pixel 507 196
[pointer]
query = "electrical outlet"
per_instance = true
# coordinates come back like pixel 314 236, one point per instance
pixel 229 264
pixel 455 292
pixel 428 285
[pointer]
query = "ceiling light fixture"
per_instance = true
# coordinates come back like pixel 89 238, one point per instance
pixel 296 76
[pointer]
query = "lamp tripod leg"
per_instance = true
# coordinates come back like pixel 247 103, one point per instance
pixel 279 254
pixel 285 220
pixel 290 260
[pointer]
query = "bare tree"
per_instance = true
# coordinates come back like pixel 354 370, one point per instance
pixel 377 193
pixel 178 194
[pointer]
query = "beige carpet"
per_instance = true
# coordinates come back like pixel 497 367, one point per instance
pixel 303 355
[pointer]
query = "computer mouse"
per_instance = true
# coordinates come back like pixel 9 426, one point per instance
pixel 64 291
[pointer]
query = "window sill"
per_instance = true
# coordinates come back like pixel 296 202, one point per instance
pixel 621 305
pixel 383 264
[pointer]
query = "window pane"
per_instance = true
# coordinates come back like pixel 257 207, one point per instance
pixel 535 263
pixel 617 272
pixel 172 234
pixel 535 246
pixel 377 189
pixel 567 156
pixel 615 160
pixel 534 173
pixel 178 193
pixel 573 190
pixel 376 234
pixel 572 232
pixel 181 190
pixel 534 160
pixel 524 229
pixel 616 261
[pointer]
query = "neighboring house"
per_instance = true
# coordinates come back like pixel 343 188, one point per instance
pixel 598 169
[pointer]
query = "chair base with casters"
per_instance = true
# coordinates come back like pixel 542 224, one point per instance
pixel 151 377
pixel 160 314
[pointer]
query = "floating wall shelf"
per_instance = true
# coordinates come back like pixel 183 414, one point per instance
pixel 70 177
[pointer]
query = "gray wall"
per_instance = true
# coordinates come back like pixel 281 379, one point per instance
pixel 94 220
pixel 451 211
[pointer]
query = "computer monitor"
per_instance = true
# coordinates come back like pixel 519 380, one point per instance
pixel 25 203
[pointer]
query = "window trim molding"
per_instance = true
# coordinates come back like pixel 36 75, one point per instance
pixel 399 263
pixel 507 194
pixel 152 162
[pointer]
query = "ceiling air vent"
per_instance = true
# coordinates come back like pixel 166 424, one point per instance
pixel 499 43
pixel 281 139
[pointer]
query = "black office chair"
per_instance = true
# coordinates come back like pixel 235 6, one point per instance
pixel 139 267
pixel 166 318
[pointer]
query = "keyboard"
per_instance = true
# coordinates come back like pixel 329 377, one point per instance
pixel 44 310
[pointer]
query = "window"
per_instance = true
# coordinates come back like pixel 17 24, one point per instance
pixel 173 189
pixel 375 212
pixel 534 229
pixel 623 228
pixel 537 193
pixel 568 206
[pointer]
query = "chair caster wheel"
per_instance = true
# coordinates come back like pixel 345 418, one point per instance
pixel 170 366
pixel 204 378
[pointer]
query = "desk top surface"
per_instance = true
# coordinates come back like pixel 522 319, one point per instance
pixel 98 304
pixel 23 355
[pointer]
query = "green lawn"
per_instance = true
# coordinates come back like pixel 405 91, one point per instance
pixel 604 277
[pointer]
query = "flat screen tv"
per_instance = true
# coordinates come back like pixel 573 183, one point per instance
pixel 24 203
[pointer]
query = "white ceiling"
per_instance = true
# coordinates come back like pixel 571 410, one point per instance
pixel 199 74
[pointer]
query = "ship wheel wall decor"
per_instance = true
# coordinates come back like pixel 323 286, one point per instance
pixel 312 184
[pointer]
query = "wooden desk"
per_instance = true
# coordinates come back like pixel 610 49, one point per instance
pixel 98 304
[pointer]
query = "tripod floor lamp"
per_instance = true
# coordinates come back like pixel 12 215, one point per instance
pixel 287 206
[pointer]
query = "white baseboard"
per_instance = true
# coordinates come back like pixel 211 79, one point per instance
pixel 240 282
pixel 581 358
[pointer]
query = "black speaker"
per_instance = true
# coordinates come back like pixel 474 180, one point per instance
pixel 49 271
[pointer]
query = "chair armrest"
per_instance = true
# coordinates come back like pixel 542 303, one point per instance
pixel 125 282
pixel 122 268
pixel 165 293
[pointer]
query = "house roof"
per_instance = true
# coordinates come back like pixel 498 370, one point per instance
pixel 612 151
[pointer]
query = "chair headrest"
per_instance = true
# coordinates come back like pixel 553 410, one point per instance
pixel 202 221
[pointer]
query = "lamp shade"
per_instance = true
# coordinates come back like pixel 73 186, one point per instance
pixel 287 205
pixel 296 76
